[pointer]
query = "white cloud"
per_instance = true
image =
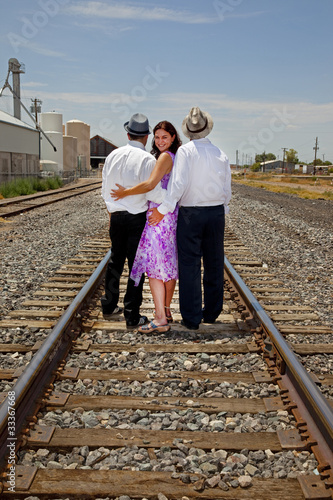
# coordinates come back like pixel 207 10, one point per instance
pixel 34 47
pixel 296 113
pixel 126 11
pixel 84 98
pixel 34 84
pixel 272 124
pixel 244 112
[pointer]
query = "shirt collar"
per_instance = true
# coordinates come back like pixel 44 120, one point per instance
pixel 137 144
pixel 202 139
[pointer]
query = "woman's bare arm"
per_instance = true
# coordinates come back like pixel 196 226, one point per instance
pixel 162 166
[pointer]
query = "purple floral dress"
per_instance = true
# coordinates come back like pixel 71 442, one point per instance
pixel 157 251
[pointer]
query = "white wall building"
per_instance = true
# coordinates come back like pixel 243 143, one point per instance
pixel 19 148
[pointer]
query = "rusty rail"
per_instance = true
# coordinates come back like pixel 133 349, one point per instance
pixel 315 413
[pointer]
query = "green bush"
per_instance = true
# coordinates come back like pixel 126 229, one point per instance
pixel 54 182
pixel 28 185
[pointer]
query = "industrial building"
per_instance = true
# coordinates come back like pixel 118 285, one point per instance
pixel 100 148
pixel 48 147
pixel 19 148
pixel 277 166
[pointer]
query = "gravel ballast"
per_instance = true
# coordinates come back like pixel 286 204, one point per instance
pixel 37 243
pixel 292 236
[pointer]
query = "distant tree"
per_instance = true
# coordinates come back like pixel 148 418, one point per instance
pixel 264 157
pixel 320 162
pixel 291 156
pixel 255 167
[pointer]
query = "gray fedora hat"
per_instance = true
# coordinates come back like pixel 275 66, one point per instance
pixel 138 125
pixel 197 124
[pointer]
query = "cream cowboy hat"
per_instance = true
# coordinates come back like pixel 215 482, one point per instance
pixel 197 124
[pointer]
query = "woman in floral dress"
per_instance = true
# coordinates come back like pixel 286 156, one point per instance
pixel 157 251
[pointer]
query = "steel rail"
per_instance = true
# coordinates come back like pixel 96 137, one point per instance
pixel 315 410
pixel 38 373
pixel 51 192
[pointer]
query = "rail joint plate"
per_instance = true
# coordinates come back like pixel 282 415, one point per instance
pixel 314 488
pixel 24 475
pixel 40 434
pixel 71 373
pixel 253 347
pixel 274 404
pixel 290 439
pixel 57 399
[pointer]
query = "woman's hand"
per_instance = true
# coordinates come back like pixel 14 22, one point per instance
pixel 119 193
pixel 155 217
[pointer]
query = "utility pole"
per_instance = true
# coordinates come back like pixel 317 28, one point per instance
pixel 284 152
pixel 264 158
pixel 236 159
pixel 315 158
pixel 36 108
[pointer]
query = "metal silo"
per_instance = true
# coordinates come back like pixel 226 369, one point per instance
pixel 51 124
pixel 81 131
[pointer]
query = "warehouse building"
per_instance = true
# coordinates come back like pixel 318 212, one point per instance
pixel 100 148
pixel 19 148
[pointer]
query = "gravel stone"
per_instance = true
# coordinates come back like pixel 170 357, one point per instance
pixel 294 237
pixel 245 481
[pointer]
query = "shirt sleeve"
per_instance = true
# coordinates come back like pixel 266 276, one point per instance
pixel 157 194
pixel 147 168
pixel 104 182
pixel 177 183
pixel 227 189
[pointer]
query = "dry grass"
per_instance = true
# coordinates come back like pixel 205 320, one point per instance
pixel 310 187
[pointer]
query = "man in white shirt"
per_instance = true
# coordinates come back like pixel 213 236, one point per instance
pixel 128 166
pixel 201 183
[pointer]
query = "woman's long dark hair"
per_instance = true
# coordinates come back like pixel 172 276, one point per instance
pixel 168 127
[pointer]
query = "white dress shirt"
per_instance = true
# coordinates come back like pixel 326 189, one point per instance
pixel 200 177
pixel 128 166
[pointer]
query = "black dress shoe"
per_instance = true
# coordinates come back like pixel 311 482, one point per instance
pixel 142 321
pixel 116 310
pixel 189 326
pixel 210 321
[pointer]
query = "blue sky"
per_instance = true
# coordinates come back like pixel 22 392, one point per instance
pixel 262 68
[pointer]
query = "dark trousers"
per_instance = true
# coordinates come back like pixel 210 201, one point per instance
pixel 125 234
pixel 200 234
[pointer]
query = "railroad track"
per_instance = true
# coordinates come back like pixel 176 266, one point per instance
pixel 207 414
pixel 10 207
